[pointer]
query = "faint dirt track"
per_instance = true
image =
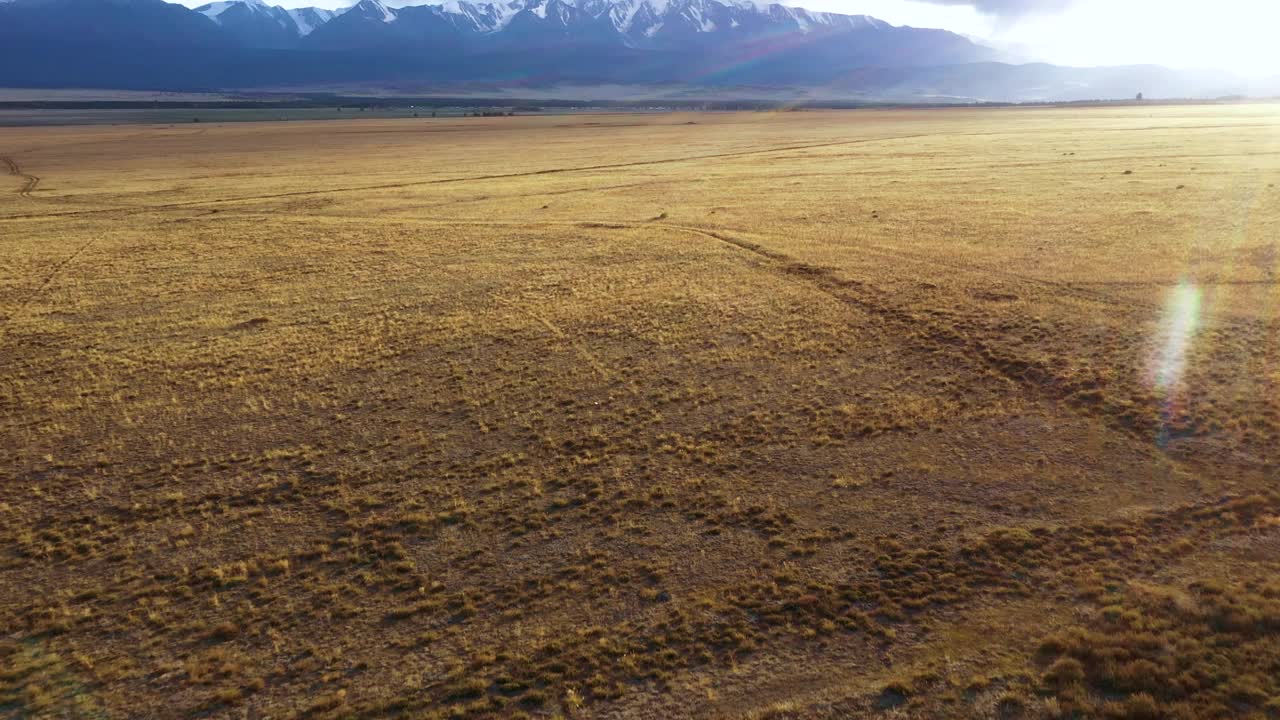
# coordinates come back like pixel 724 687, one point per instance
pixel 29 182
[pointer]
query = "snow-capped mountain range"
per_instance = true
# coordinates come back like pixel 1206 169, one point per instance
pixel 491 44
pixel 629 18
pixel 627 23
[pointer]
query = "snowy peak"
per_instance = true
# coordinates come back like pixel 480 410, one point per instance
pixel 214 10
pixel 372 10
pixel 485 17
pixel 256 24
pixel 309 18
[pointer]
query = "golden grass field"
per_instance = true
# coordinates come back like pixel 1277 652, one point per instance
pixel 901 414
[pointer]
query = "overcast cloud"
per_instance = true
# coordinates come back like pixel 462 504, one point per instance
pixel 1009 8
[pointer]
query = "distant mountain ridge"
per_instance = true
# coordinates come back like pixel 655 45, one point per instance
pixel 152 44
pixel 634 23
pixel 248 43
pixel 459 25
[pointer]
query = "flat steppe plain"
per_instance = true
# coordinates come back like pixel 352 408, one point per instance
pixel 946 413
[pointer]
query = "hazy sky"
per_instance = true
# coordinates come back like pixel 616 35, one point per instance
pixel 1234 34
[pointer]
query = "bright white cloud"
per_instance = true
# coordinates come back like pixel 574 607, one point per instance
pixel 1236 35
pixel 1009 8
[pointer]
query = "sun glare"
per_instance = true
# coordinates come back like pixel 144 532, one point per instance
pixel 1233 35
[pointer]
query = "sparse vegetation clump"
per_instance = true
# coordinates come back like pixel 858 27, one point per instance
pixel 1209 650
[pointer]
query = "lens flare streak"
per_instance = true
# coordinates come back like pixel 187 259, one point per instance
pixel 1181 321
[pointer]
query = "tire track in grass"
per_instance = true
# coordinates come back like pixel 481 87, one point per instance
pixel 1033 376
pixel 30 182
pixel 1028 374
pixel 961 342
pixel 585 354
pixel 585 168
pixel 1119 411
pixel 29 185
pixel 1080 290
pixel 45 282
pixel 472 178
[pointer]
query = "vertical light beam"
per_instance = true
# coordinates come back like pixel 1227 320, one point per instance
pixel 1182 316
pixel 1181 321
